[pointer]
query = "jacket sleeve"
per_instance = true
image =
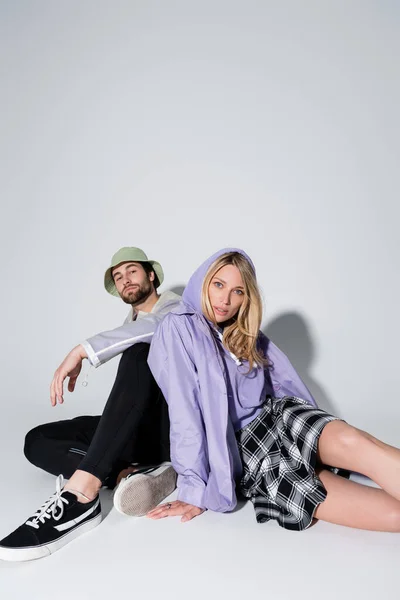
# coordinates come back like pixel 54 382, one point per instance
pixel 106 345
pixel 285 380
pixel 175 373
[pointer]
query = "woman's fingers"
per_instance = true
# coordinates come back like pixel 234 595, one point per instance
pixel 175 509
pixel 157 510
pixel 191 514
pixel 188 516
pixel 172 509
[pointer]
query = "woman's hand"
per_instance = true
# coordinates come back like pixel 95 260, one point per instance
pixel 175 509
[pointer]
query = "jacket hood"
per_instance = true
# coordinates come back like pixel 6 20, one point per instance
pixel 192 294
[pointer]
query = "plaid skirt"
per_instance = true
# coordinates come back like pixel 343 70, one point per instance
pixel 279 452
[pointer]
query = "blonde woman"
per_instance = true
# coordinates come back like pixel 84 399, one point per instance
pixel 240 414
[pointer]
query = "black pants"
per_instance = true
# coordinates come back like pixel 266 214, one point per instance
pixel 134 427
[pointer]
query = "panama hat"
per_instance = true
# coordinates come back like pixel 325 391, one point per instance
pixel 129 254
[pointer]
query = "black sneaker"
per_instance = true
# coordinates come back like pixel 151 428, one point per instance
pixel 61 519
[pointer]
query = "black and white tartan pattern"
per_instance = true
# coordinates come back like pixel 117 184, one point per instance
pixel 279 453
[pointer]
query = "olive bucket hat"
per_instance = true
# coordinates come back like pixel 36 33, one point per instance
pixel 128 254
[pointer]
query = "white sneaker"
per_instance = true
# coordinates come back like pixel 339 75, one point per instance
pixel 141 491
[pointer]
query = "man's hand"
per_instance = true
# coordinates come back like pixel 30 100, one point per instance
pixel 175 509
pixel 70 367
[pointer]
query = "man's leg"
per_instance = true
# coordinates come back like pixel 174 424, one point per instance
pixel 134 414
pixel 133 427
pixel 60 446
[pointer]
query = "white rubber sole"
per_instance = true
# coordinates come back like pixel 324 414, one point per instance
pixel 138 494
pixel 34 552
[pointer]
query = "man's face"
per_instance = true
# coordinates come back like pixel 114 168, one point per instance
pixel 133 284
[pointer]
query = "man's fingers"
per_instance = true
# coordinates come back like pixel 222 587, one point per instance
pixel 70 367
pixel 59 387
pixel 56 389
pixel 71 383
pixel 53 393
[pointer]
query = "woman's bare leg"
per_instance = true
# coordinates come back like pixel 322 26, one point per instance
pixel 341 445
pixel 356 505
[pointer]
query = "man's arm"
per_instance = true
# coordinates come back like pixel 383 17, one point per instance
pixel 104 346
pixel 99 349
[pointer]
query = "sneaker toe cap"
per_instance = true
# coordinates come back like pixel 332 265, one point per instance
pixel 21 537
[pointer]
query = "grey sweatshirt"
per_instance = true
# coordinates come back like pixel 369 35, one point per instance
pixel 102 347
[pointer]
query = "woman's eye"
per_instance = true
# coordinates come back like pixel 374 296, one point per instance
pixel 239 292
pixel 218 284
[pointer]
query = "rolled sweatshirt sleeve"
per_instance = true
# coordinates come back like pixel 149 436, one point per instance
pixel 175 373
pixel 108 344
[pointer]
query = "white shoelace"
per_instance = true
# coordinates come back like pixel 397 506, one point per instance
pixel 49 508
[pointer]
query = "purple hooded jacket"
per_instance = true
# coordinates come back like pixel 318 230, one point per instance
pixel 209 396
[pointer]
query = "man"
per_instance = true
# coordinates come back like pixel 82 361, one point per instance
pixel 134 427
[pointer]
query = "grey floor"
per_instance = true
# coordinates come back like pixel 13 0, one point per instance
pixel 215 556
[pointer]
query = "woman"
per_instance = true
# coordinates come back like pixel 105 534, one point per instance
pixel 239 412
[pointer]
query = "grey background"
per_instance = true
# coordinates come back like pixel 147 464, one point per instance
pixel 183 127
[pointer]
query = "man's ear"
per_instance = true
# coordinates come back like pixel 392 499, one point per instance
pixel 152 276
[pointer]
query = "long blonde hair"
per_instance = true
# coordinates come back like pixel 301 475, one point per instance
pixel 240 337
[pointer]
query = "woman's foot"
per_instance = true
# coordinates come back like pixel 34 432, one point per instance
pixel 61 519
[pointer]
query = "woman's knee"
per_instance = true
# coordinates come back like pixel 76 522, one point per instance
pixel 350 437
pixel 345 436
pixel 393 518
pixel 340 440
pixel 31 440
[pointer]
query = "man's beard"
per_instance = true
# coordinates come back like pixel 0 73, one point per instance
pixel 137 295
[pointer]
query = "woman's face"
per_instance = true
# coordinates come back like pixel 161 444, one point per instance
pixel 226 293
